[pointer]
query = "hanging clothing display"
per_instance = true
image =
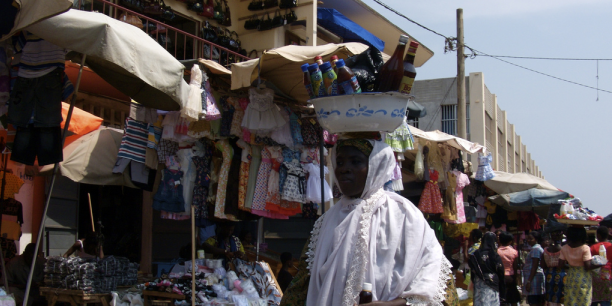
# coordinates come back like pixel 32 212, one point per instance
pixel 295 184
pixel 262 114
pixel 193 106
pixel 288 156
pixel 296 128
pixel 484 172
pixel 273 197
pixel 169 196
pixel 282 135
pixel 462 180
pixel 431 200
pixel 261 187
pixel 449 205
pixel 202 182
pixel 253 175
pixel 228 153
pixel 245 164
pixel 12 184
pixel 232 192
pixel 236 128
pixel 401 139
pixel 227 117
pixel 313 189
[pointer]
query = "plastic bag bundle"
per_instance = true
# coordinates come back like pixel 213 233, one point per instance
pixel 55 265
pixel 366 67
pixel 419 167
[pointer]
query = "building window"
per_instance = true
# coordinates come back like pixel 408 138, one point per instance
pixel 413 122
pixel 449 119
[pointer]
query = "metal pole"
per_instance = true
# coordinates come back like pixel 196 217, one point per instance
pixel 259 234
pixel 4 276
pixel 53 177
pixel 461 108
pixel 322 169
pixel 193 257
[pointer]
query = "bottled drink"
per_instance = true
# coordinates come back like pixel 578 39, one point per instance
pixel 365 296
pixel 319 60
pixel 602 251
pixel 329 79
pixel 316 79
pixel 307 81
pixel 334 60
pixel 409 70
pixel 347 82
pixel 392 72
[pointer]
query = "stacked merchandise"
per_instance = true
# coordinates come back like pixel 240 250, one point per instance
pixel 90 275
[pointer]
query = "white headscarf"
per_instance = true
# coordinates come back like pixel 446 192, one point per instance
pixel 380 238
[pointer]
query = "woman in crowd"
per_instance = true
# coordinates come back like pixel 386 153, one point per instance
pixel 488 273
pixel 509 257
pixel 472 244
pixel 372 236
pixel 554 273
pixel 532 272
pixel 224 245
pixel 578 287
pixel 602 293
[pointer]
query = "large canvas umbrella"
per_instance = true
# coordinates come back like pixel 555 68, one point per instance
pixel 505 182
pixel 122 54
pixel 534 199
pixel 33 11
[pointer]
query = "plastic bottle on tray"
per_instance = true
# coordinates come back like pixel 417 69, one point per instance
pixel 329 79
pixel 392 72
pixel 316 78
pixel 308 81
pixel 347 82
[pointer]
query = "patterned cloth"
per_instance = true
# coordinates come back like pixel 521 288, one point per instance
pixel 294 189
pixel 12 185
pixel 165 149
pixel 361 144
pixel 484 172
pixel 273 196
pixel 310 134
pixel 227 151
pixel 236 129
pixel 537 284
pixel 155 132
pixel 431 200
pixel 555 279
pixel 134 142
pixel 263 279
pixel 401 139
pixel 296 129
pixel 202 182
pixel 253 174
pixel 244 172
pixel 462 181
pixel 483 294
pixel 578 287
pixel 288 156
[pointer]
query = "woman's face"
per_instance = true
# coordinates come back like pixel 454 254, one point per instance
pixel 531 240
pixel 351 171
pixel 556 236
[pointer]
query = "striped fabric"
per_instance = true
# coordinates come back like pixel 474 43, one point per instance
pixel 134 141
pixel 38 56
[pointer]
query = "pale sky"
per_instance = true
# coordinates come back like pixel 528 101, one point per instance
pixel 565 129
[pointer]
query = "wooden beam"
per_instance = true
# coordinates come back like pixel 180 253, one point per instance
pixel 146 250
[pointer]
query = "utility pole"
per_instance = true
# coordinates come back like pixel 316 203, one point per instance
pixel 461 111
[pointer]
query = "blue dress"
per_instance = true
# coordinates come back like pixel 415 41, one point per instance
pixel 484 172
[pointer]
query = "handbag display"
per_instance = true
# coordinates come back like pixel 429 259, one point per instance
pixel 153 7
pixel 256 5
pixel 290 17
pixel 234 42
pixel 265 23
pixel 218 12
pixel 227 19
pixel 270 4
pixel 224 38
pixel 284 4
pixel 251 54
pixel 167 12
pixel 209 33
pixel 197 7
pixel 208 9
pixel 278 20
pixel 252 23
pixel 135 5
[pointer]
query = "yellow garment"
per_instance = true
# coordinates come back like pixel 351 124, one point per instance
pixel 10 230
pixel 490 207
pixel 456 230
pixel 12 186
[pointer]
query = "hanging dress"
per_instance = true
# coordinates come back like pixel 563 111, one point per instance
pixel 202 182
pixel 261 187
pixel 294 189
pixel 288 156
pixel 227 117
pixel 273 196
pixel 431 200
pixel 262 114
pixel 296 128
pixel 484 172
pixel 246 133
pixel 253 174
pixel 232 190
pixel 401 139
pixel 462 181
pixel 282 135
pixel 244 172
pixel 313 187
pixel 449 205
pixel 227 151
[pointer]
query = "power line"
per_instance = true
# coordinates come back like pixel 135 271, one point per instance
pixel 551 58
pixel 449 47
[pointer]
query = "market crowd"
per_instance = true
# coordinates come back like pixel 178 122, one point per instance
pixel 553 267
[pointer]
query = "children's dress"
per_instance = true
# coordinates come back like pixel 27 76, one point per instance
pixel 262 114
pixel 273 197
pixel 227 151
pixel 484 172
pixel 313 187
pixel 462 181
pixel 261 187
pixel 294 188
pixel 431 200
pixel 169 196
pixel 244 172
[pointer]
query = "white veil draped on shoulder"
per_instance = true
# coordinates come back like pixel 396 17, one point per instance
pixel 380 238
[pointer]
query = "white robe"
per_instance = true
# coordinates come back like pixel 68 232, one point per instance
pixel 400 258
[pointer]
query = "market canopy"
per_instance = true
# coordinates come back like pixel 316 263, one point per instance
pixel 453 141
pixel 281 66
pixel 212 66
pixel 342 26
pixel 505 182
pixel 529 200
pixel 122 54
pixel 31 12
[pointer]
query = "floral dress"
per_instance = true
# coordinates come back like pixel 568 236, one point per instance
pixel 554 279
pixel 273 196
pixel 431 200
pixel 236 129
pixel 294 189
pixel 296 129
pixel 258 206
pixel 202 183
pixel 462 181
pixel 244 172
pixel 484 172
pixel 227 151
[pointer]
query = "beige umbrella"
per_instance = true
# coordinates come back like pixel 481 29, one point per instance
pixel 453 141
pixel 33 11
pixel 91 158
pixel 505 182
pixel 281 66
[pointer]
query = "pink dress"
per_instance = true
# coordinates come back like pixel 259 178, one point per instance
pixel 431 200
pixel 462 181
pixel 261 188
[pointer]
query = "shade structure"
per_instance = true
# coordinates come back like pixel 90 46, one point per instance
pixel 529 200
pixel 281 66
pixel 415 110
pixel 453 141
pixel 340 25
pixel 33 11
pixel 121 54
pixel 90 159
pixel 505 182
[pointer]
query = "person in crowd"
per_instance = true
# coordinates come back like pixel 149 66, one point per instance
pixel 224 244
pixel 472 244
pixel 89 247
pixel 284 277
pixel 553 271
pixel 370 236
pixel 509 257
pixel 497 233
pixel 545 241
pixel 576 253
pixel 488 273
pixel 247 240
pixel 532 272
pixel 602 295
pixel 17 272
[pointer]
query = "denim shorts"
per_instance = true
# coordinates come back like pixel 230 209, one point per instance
pixel 40 96
pixel 44 143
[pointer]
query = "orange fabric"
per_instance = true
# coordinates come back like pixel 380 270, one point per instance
pixel 81 122
pixel 576 257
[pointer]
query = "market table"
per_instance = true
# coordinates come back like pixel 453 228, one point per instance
pixel 74 297
pixel 155 295
pixel 577 222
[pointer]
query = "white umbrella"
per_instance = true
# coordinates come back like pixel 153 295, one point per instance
pixel 33 11
pixel 505 182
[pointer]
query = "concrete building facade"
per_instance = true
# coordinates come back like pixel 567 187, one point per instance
pixel 487 123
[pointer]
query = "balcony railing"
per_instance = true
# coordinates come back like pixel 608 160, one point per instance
pixel 177 42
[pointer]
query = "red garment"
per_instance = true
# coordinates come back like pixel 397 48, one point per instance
pixel 607 245
pixel 528 221
pixel 431 199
